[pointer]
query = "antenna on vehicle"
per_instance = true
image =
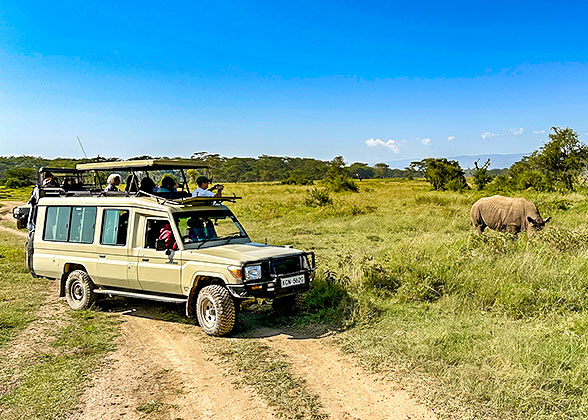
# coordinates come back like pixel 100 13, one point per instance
pixel 82 146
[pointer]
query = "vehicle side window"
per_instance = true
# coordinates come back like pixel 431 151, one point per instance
pixel 70 224
pixel 153 231
pixel 114 227
pixel 57 224
pixel 83 224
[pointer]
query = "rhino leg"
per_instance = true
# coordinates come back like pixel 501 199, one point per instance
pixel 513 228
pixel 478 229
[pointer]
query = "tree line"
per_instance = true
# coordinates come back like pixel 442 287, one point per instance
pixel 16 171
pixel 561 164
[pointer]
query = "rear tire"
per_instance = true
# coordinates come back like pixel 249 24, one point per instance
pixel 79 290
pixel 215 310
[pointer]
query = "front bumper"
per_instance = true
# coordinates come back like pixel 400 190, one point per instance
pixel 272 284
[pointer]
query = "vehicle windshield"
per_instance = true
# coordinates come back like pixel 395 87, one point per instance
pixel 209 228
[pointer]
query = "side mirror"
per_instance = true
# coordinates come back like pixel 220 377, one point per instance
pixel 160 245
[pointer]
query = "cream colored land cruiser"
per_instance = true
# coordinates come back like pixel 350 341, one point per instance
pixel 168 247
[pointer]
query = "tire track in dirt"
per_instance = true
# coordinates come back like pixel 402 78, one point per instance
pixel 165 362
pixel 345 390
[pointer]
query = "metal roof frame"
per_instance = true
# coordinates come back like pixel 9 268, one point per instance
pixel 137 165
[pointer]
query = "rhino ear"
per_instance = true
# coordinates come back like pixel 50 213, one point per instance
pixel 531 220
pixel 547 220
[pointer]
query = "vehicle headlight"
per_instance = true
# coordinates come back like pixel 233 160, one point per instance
pixel 253 272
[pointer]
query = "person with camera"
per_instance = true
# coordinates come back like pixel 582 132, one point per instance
pixel 204 191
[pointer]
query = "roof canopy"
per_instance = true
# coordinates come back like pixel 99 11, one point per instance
pixel 150 164
pixel 59 170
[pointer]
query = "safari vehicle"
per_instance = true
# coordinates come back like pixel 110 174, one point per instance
pixel 182 249
pixel 63 175
pixel 21 214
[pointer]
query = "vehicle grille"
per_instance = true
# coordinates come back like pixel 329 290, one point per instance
pixel 287 265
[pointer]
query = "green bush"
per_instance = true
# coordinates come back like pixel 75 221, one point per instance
pixel 342 183
pixel 317 198
pixel 456 185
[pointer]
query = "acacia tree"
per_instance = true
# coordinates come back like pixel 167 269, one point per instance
pixel 481 178
pixel 441 173
pixel 562 158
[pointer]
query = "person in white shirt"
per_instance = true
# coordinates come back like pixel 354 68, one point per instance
pixel 203 191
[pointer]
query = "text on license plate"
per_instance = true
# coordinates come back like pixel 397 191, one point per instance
pixel 293 281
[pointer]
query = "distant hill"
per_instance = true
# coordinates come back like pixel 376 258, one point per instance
pixel 496 161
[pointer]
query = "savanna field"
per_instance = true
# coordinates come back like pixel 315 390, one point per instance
pixel 484 327
pixel 491 327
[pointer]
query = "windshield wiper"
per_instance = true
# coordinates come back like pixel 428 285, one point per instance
pixel 200 243
pixel 234 235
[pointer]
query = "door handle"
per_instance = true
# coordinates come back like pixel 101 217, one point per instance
pixel 102 256
pixel 145 259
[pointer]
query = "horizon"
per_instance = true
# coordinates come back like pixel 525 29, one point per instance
pixel 511 157
pixel 372 82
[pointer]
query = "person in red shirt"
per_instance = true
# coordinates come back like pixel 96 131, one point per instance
pixel 167 236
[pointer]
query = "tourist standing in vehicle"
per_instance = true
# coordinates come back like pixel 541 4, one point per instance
pixel 203 191
pixel 50 181
pixel 132 183
pixel 114 180
pixel 168 184
pixel 147 185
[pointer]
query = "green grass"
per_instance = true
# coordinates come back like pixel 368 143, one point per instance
pixel 54 381
pixel 50 381
pixel 487 327
pixel 15 194
pixel 482 327
pixel 20 294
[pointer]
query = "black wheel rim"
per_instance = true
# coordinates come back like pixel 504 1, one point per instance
pixel 77 291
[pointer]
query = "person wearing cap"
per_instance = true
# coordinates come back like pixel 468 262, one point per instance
pixel 203 191
pixel 50 181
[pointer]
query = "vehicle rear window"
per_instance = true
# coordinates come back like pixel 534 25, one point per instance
pixel 70 224
pixel 114 227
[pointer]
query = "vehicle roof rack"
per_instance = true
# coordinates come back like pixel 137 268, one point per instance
pixel 149 164
pixel 180 201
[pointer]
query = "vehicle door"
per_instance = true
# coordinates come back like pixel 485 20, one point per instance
pixel 157 271
pixel 113 248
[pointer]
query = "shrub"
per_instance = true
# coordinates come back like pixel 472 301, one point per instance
pixel 481 178
pixel 15 183
pixel 18 177
pixel 318 198
pixel 337 179
pixel 457 185
pixel 342 184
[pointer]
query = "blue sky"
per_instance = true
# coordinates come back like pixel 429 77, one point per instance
pixel 372 81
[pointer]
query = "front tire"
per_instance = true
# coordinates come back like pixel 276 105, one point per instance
pixel 215 310
pixel 79 290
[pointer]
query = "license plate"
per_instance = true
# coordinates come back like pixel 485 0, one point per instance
pixel 293 281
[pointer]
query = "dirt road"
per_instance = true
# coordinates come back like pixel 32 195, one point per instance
pixel 6 216
pixel 165 363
